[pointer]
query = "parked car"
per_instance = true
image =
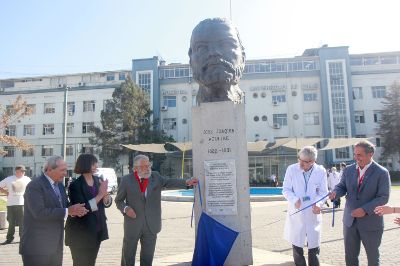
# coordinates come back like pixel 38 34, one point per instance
pixel 108 174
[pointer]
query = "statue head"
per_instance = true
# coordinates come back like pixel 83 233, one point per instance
pixel 217 59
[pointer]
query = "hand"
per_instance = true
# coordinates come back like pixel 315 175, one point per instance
pixel 298 204
pixel 130 212
pixel 316 209
pixel 381 210
pixel 192 181
pixel 107 200
pixel 397 220
pixel 77 210
pixel 103 188
pixel 332 195
pixel 358 213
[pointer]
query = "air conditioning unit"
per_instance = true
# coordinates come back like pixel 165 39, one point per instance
pixel 277 126
pixel 81 84
pixel 274 103
pixel 294 93
pixel 164 108
pixel 60 85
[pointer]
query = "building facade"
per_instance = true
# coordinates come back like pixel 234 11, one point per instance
pixel 325 92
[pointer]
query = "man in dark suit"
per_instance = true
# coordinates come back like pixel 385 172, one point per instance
pixel 46 207
pixel 366 185
pixel 139 200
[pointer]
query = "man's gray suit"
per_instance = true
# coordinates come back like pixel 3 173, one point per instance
pixel 42 239
pixel 374 191
pixel 147 223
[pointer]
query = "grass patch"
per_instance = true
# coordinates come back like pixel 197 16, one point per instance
pixel 3 205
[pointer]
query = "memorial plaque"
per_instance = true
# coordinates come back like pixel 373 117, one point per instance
pixel 220 179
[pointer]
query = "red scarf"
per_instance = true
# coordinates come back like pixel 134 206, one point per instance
pixel 143 184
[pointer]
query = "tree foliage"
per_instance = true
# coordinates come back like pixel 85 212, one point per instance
pixel 9 116
pixel 389 126
pixel 125 120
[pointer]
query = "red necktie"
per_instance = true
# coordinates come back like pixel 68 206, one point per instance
pixel 361 179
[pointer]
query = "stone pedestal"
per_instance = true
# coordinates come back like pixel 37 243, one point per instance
pixel 220 161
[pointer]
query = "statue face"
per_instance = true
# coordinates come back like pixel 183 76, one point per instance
pixel 216 56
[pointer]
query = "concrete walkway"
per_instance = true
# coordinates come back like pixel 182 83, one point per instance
pixel 176 241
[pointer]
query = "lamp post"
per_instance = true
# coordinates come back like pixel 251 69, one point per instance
pixel 65 124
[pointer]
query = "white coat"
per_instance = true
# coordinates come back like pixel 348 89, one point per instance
pixel 333 180
pixel 305 224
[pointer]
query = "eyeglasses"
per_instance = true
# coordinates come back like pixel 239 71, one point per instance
pixel 304 161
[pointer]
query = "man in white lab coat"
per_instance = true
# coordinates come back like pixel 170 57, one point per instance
pixel 305 183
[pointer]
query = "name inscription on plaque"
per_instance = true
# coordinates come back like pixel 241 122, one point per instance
pixel 220 182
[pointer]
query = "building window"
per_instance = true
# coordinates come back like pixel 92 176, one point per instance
pixel 71 108
pixel 256 118
pixel 144 81
pixel 107 105
pixel 359 117
pixel 357 93
pixel 31 108
pixel 377 116
pixel 10 151
pixel 169 124
pixel 11 130
pixel 48 129
pixel 69 150
pixel 371 60
pixel 280 119
pixel 87 149
pixel 10 110
pixel 29 130
pixel 279 98
pixel 70 128
pixel 377 142
pixel 47 150
pixel 28 153
pixel 87 127
pixel 388 60
pixel 7 171
pixel 378 91
pixel 255 95
pixel 264 118
pixel 310 96
pixel 169 101
pixel 342 153
pixel 121 76
pixel 110 77
pixel 49 108
pixel 89 106
pixel 311 118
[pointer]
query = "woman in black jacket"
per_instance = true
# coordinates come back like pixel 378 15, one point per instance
pixel 84 234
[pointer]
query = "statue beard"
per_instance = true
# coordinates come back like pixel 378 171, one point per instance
pixel 218 73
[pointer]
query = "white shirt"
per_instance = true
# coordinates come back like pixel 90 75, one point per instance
pixel 16 189
pixel 362 171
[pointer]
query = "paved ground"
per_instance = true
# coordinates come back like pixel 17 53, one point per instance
pixel 176 241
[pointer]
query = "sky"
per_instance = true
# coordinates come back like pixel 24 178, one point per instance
pixel 51 37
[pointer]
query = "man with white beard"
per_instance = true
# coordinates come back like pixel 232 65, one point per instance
pixel 139 200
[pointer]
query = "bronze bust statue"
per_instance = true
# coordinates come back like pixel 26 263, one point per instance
pixel 217 59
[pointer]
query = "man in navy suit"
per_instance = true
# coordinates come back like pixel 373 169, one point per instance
pixel 46 207
pixel 366 185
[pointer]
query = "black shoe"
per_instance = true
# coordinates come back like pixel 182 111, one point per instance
pixel 6 242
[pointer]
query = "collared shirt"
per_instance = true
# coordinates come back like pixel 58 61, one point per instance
pixel 52 184
pixel 362 171
pixel 307 174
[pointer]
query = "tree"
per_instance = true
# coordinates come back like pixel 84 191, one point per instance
pixel 9 115
pixel 125 120
pixel 389 126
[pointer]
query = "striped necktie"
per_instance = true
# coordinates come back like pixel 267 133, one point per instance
pixel 56 189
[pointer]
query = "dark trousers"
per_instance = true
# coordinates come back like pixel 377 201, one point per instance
pixel 43 260
pixel 15 216
pixel 84 256
pixel 353 236
pixel 298 256
pixel 147 247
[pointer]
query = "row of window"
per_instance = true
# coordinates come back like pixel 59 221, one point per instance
pixel 374 60
pixel 50 108
pixel 281 98
pixel 359 117
pixel 377 92
pixel 48 129
pixel 46 150
pixel 281 119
